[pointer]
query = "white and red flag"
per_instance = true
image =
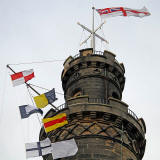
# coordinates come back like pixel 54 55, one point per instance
pixel 122 11
pixel 22 77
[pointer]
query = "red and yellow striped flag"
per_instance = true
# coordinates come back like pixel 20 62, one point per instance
pixel 55 122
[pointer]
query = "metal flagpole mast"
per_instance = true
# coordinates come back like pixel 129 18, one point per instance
pixel 93 33
pixel 28 85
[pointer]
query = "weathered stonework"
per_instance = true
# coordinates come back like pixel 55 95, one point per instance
pixel 103 126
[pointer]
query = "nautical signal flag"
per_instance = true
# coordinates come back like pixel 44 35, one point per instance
pixel 37 149
pixel 58 149
pixel 22 77
pixel 122 11
pixel 27 110
pixel 64 148
pixel 43 100
pixel 55 122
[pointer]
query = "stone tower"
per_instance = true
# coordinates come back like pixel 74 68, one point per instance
pixel 103 126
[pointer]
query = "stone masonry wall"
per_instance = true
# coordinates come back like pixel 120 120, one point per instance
pixel 99 149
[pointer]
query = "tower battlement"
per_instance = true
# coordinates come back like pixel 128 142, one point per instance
pixel 97 74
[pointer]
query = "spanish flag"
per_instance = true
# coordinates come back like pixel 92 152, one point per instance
pixel 55 122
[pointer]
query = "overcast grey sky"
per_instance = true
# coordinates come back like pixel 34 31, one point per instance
pixel 42 30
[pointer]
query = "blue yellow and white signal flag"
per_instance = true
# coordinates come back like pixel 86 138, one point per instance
pixel 43 100
pixel 27 110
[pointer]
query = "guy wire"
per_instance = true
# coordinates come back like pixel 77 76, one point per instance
pixel 49 61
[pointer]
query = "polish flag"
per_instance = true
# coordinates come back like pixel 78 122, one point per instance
pixel 22 77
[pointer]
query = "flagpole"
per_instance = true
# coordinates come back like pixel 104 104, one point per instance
pixel 28 85
pixel 93 33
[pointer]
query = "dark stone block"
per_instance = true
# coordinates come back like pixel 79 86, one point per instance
pixel 84 156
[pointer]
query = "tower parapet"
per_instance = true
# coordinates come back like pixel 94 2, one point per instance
pixel 97 75
pixel 104 127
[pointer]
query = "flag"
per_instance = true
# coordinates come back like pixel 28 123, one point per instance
pixel 58 149
pixel 64 149
pixel 27 110
pixel 122 11
pixel 43 100
pixel 37 149
pixel 22 77
pixel 55 122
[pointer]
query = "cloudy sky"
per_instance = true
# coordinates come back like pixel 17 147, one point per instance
pixel 46 30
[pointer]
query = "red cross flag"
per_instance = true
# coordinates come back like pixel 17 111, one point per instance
pixel 22 77
pixel 122 11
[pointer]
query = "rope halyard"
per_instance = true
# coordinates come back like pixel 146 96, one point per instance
pixel 44 88
pixel 31 97
pixel 39 87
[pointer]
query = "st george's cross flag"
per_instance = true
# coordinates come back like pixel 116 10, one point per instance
pixel 55 122
pixel 37 149
pixel 43 100
pixel 122 11
pixel 27 110
pixel 22 77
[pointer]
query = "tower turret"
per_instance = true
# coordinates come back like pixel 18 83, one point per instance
pixel 96 75
pixel 103 126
